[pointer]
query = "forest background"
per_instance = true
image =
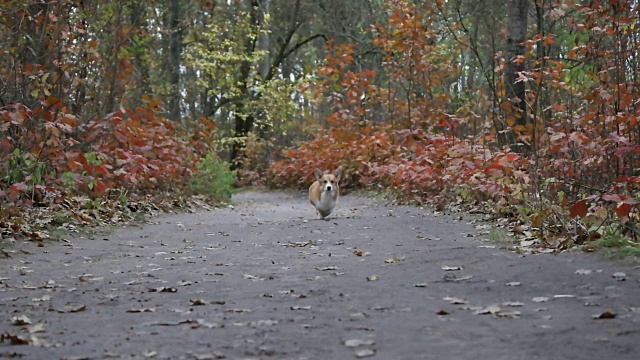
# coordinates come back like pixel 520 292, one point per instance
pixel 525 109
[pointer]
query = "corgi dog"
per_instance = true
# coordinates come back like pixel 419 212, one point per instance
pixel 324 192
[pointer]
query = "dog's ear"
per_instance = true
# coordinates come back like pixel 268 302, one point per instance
pixel 338 172
pixel 318 173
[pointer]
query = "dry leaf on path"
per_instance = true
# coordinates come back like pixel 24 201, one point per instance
pixel 513 303
pixel 492 309
pixel 361 353
pixel 39 327
pixel 583 271
pixel 141 310
pixel 326 268
pixel 358 342
pixel 509 314
pixel 164 289
pixel 373 278
pixel 451 268
pixel 455 301
pixel 463 278
pixel 620 276
pixel 20 320
pixel 605 315
pixel 13 339
pixel 540 299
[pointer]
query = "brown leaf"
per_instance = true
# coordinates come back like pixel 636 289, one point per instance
pixel 21 320
pixel 605 315
pixel 442 312
pixel 13 339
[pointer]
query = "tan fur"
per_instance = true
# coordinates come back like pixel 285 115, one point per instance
pixel 323 199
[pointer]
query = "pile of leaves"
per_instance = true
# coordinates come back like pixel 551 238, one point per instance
pixel 56 170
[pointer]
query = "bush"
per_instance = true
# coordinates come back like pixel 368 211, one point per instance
pixel 213 179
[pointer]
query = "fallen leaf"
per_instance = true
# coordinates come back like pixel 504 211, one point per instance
pixel 21 320
pixel 296 307
pixel 442 312
pixel 513 303
pixel 508 314
pixel 392 260
pixel 326 268
pixel 361 253
pixel 44 298
pixel 513 283
pixel 141 310
pixel 452 268
pixel 238 310
pixel 39 327
pixel 620 276
pixel 361 353
pixel 164 289
pixel 198 302
pixel 605 315
pixel 540 299
pixel 421 285
pixel 583 271
pixel 251 277
pixel 13 339
pixel 192 322
pixel 373 278
pixel 463 278
pixel 527 243
pixel 150 354
pixel 454 300
pixel 358 342
pixel 492 309
pixel 73 309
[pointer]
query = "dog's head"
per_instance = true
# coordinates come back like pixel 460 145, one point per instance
pixel 329 182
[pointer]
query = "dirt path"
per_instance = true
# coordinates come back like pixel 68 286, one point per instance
pixel 260 281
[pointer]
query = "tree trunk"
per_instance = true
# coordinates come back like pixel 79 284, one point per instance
pixel 515 90
pixel 175 53
pixel 138 18
pixel 244 121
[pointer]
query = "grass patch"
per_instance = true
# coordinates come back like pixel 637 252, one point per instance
pixel 499 236
pixel 618 245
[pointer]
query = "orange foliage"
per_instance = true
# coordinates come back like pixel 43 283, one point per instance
pixel 396 130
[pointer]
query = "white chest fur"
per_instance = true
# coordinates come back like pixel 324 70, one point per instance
pixel 327 202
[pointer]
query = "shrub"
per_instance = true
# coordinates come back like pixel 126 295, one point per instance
pixel 213 179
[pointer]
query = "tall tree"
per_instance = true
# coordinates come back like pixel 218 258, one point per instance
pixel 175 55
pixel 515 87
